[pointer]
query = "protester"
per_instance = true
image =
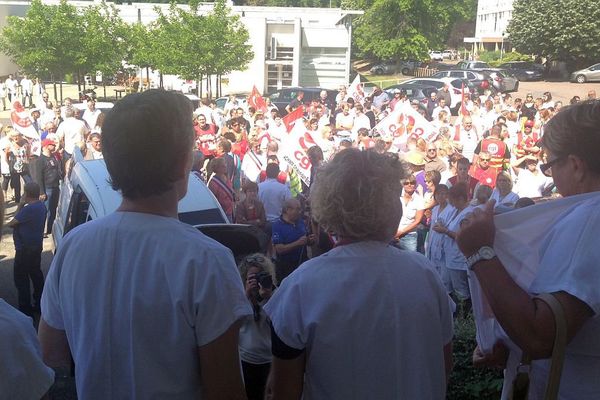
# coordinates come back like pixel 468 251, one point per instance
pixel 567 264
pixel 49 174
pixel 413 207
pixel 272 193
pixel 160 321
pixel 257 273
pixel 250 210
pixel 290 239
pixel 503 194
pixel 328 338
pixel 28 232
pixel 221 187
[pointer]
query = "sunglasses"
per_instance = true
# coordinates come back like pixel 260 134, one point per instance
pixel 406 183
pixel 547 167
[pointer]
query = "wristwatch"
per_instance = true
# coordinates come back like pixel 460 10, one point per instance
pixel 484 253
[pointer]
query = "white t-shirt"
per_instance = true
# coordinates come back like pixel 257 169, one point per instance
pixel 469 140
pixel 4 144
pixel 373 320
pixel 252 164
pixel 569 262
pixel 23 374
pixel 530 185
pixel 90 117
pixel 409 210
pixel 344 120
pixel 273 194
pixel 137 294
pixel 72 130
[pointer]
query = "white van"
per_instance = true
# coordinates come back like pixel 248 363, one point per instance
pixel 86 194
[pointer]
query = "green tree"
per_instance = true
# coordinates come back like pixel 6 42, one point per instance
pixel 104 41
pixel 406 28
pixel 561 30
pixel 193 45
pixel 47 42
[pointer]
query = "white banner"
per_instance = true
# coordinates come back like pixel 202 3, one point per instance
pixel 293 149
pixel 405 122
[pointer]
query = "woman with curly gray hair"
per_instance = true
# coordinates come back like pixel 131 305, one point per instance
pixel 364 320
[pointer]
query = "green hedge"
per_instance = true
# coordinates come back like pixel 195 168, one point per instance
pixel 466 381
pixel 493 57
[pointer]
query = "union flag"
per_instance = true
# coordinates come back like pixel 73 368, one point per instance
pixel 256 100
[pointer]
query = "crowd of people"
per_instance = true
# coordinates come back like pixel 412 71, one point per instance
pixel 302 316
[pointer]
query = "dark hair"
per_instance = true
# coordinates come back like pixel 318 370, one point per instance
pixel 575 130
pixel 315 154
pixel 144 139
pixel 458 191
pixel 463 161
pixel 433 176
pixel 440 188
pixel 524 202
pixel 32 189
pixel 225 145
pixel 198 161
pixel 272 170
pixel 249 185
pixel 230 137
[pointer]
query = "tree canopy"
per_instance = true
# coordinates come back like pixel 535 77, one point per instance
pixel 404 29
pixel 561 30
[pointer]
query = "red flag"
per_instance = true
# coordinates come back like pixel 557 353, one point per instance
pixel 292 117
pixel 256 100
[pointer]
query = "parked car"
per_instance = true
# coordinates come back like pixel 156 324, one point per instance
pixel 100 105
pixel 436 55
pixel 388 67
pixel 240 98
pixel 479 79
pixel 524 70
pixel 456 87
pixel 86 195
pixel 589 74
pixel 282 97
pixel 472 65
pixel 414 91
pixel 450 54
pixel 502 80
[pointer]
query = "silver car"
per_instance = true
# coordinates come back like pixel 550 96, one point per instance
pixel 503 81
pixel 589 74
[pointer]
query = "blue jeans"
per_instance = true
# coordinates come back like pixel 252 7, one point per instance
pixel 408 242
pixel 51 203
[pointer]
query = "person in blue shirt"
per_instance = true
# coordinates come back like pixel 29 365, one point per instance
pixel 28 235
pixel 290 239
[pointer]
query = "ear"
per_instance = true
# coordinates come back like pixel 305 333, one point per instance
pixel 579 168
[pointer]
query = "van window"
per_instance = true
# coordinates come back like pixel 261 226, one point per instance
pixel 79 210
pixel 201 217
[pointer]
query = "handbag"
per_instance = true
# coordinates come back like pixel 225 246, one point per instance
pixel 520 389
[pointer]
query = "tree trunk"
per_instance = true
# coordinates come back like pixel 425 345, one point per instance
pixel 219 87
pixel 104 87
pixel 78 82
pixel 161 80
pixel 61 92
pixel 147 77
pixel 200 89
pixel 54 84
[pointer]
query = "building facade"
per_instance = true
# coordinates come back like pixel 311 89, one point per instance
pixel 292 46
pixel 493 17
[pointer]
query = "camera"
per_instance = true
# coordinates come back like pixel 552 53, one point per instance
pixel 264 279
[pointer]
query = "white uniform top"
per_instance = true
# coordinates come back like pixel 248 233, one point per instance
pixel 453 256
pixel 137 294
pixel 508 201
pixel 273 194
pixel 23 374
pixel 90 117
pixel 373 320
pixel 435 240
pixel 569 258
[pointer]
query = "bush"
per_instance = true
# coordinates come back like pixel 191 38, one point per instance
pixel 493 57
pixel 466 381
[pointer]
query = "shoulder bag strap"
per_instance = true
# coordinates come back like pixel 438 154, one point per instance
pixel 560 342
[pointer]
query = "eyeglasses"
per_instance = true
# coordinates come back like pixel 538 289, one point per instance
pixel 257 258
pixel 547 167
pixel 236 124
pixel 406 183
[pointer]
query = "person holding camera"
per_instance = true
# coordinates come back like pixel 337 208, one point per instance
pixel 257 273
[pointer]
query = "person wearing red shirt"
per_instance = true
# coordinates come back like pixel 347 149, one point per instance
pixel 483 172
pixel 205 136
pixel 462 175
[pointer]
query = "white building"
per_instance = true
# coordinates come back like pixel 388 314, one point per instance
pixel 493 17
pixel 292 46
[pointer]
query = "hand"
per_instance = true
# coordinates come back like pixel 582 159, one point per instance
pixel 496 359
pixel 43 197
pixel 302 241
pixel 265 293
pixel 311 239
pixel 477 230
pixel 428 213
pixel 439 228
pixel 251 287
